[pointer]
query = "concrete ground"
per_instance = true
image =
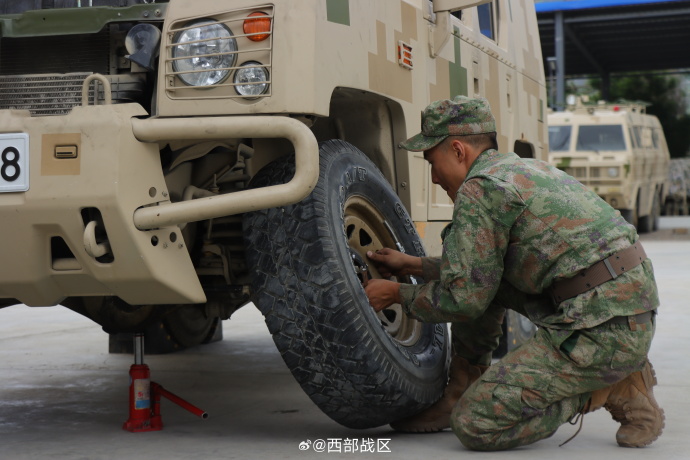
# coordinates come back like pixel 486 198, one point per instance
pixel 64 397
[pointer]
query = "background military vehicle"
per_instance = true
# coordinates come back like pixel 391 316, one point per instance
pixel 679 188
pixel 164 163
pixel 618 151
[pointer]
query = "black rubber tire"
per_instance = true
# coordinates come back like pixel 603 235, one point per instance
pixel 182 328
pixel 630 216
pixel 306 285
pixel 189 326
pixel 656 207
pixel 650 222
pixel 670 208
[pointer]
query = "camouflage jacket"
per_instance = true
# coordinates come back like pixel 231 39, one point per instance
pixel 518 225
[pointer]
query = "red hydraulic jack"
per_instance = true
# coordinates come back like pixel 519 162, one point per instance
pixel 145 395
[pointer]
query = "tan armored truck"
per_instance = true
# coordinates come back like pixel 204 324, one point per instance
pixel 679 187
pixel 617 150
pixel 165 163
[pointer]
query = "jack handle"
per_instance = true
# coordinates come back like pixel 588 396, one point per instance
pixel 159 391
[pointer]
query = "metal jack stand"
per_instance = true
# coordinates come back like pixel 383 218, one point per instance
pixel 143 415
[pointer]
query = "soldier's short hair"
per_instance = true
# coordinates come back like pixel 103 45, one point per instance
pixel 483 141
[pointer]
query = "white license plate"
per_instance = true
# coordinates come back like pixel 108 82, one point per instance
pixel 14 162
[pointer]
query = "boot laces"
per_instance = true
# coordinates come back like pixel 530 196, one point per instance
pixel 579 417
pixel 618 413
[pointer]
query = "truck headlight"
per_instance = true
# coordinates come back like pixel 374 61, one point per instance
pixel 251 79
pixel 204 53
pixel 612 172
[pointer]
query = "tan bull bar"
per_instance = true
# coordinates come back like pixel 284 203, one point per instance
pixel 219 128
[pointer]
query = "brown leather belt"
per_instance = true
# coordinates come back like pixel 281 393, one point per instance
pixel 631 321
pixel 599 273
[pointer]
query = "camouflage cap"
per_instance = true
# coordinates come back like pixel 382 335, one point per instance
pixel 461 116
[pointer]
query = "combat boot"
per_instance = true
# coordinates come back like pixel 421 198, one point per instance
pixel 631 403
pixel 437 417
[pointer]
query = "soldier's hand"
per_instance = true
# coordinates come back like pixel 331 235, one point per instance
pixel 389 262
pixel 382 293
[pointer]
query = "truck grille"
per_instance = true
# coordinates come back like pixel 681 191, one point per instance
pixel 45 74
pixel 56 54
pixel 42 94
pixel 56 94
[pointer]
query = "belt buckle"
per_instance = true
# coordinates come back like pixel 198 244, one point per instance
pixel 609 267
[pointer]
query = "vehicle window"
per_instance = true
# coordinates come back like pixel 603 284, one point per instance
pixel 486 20
pixel 646 137
pixel 559 138
pixel 638 137
pixel 655 138
pixel 600 137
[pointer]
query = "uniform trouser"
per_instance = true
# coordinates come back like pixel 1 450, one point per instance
pixel 538 387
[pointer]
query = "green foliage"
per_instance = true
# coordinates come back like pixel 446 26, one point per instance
pixel 667 102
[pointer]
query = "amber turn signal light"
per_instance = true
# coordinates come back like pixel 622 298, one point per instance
pixel 257 26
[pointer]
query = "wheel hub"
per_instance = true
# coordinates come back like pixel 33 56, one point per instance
pixel 367 230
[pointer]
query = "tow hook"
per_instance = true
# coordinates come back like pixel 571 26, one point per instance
pixel 92 247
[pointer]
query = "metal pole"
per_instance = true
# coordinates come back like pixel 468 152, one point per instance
pixel 560 61
pixel 605 86
pixel 158 390
pixel 551 60
pixel 138 348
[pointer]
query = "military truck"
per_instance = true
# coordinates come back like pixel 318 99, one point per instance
pixel 617 150
pixel 165 163
pixel 679 188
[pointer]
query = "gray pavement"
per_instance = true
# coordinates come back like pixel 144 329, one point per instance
pixel 64 396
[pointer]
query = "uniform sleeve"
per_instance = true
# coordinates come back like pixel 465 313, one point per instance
pixel 473 251
pixel 431 268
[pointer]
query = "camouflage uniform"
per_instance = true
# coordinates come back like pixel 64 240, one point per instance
pixel 518 225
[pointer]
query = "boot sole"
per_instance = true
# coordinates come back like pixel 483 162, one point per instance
pixel 649 441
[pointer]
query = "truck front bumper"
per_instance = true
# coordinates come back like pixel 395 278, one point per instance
pixel 104 161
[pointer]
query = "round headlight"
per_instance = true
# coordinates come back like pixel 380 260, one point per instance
pixel 251 79
pixel 204 53
pixel 613 172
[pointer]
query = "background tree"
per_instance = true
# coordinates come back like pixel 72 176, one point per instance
pixel 667 101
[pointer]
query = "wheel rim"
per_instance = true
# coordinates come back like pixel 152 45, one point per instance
pixel 525 325
pixel 366 229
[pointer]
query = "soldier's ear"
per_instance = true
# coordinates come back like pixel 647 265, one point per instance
pixel 459 149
